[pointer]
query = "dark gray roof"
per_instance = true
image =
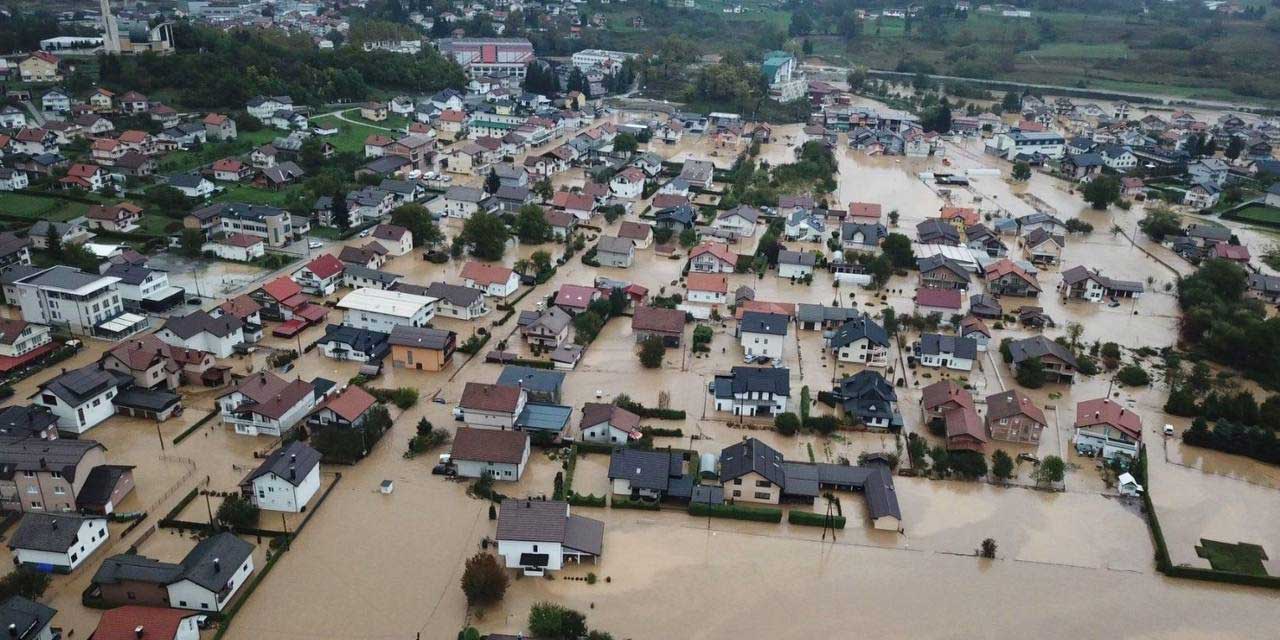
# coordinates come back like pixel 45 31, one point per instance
pixel 1038 347
pixel 937 260
pixel 857 329
pixel 155 400
pixel 25 617
pixel 935 344
pixel 872 232
pixel 373 275
pixel 129 274
pixel 456 295
pixel 739 459
pixel 803 258
pixel 47 532
pixel 934 230
pixel 198 322
pixel 425 337
pixel 823 313
pixel 136 568
pixel 100 484
pixel 746 379
pixel 374 343
pixel 80 385
pixel 611 244
pixel 867 394
pixel 774 324
pixel 1209 232
pixel 28 454
pixel 25 420
pixel 291 462
pixel 63 277
pixel 199 566
pixel 643 469
pixel 549 521
pixel 531 379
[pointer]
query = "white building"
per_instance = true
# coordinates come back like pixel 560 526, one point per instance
pixel 83 303
pixel 57 542
pixel 492 405
pixel 537 536
pixel 265 404
pixel 752 391
pixel 494 280
pixel 1013 144
pixel 380 310
pixel 947 351
pixel 607 61
pixel 202 331
pixel 500 454
pixel 286 480
pixel 796 264
pixel 212 573
pixel 763 334
pixel 264 107
pixel 80 398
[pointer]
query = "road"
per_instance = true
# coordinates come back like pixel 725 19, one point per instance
pixel 841 72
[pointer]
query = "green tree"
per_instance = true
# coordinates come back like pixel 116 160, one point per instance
pixel 1021 171
pixel 485 235
pixel 898 249
pixel 1237 143
pixel 1051 470
pixel 551 621
pixel 1133 375
pixel 24 581
pixel 492 182
pixel 625 143
pixel 786 424
pixel 237 512
pixel 688 238
pixel 586 326
pixel 1160 223
pixel 544 190
pixel 54 242
pixel 192 242
pixel 541 261
pixel 341 217
pixel 1001 464
pixel 801 24
pixel 651 352
pixel 1031 373
pixel 417 220
pixel 484 580
pixel 531 225
pixel 1102 191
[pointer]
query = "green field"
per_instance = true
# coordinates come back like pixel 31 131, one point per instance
pixel 38 208
pixel 1237 558
pixel 177 161
pixel 1081 51
pixel 252 195
pixel 1258 213
pixel 350 135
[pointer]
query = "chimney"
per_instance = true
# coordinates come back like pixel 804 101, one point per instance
pixel 137 631
pixel 13 630
pixel 217 565
pixel 293 457
pixel 54 524
pixel 293 472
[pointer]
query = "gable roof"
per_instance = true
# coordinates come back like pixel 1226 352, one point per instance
pixel 122 623
pixel 489 445
pixel 486 274
pixel 490 397
pixel 292 462
pixel 764 323
pixel 1039 347
pixel 1104 411
pixel 712 282
pixel 659 319
pixel 51 532
pixel 716 250
pixel 751 455
pixel 858 328
pixel 1011 403
pixel 594 413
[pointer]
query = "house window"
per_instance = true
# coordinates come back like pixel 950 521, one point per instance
pixel 131 596
pixel 59 491
pixel 36 506
pixel 75 557
pixel 762 495
pixel 737 494
pixel 762 484
pixel 737 481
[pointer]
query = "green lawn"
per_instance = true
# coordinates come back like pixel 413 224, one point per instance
pixel 178 161
pixel 1237 558
pixel 158 225
pixel 1078 51
pixel 38 208
pixel 350 135
pixel 249 194
pixel 1258 213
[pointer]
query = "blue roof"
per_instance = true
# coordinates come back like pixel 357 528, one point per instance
pixel 544 417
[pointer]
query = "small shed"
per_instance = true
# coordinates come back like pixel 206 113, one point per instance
pixel 707 466
pixel 387 487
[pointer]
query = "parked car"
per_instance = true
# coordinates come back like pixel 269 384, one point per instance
pixel 457 414
pixel 315 244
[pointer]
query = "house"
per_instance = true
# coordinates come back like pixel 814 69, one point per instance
pixel 494 280
pixel 321 276
pixel 540 536
pixel 815 317
pixel 373 111
pixel 1106 428
pixel 712 257
pixel 395 239
pixel 628 183
pixel 973 327
pixel 615 252
pixel 144 289
pixel 121 218
pixel 862 236
pixel 1205 235
pixel 453 301
pixel 935 231
pixel 763 334
pixel 205 580
pixel 28 620
pixel 498 453
pixel 861 340
pixel 192 185
pixel 130 621
pixel 667 324
pixel 707 288
pixel 1043 247
pixel 740 220
pixel 580 205
pixel 944 302
pixel 940 272
pixel 948 352
pixel 1012 416
pixel 40 66
pixel 219 127
pixel 492 405
pixel 1264 287
pixel 652 475
pixel 382 310
pixel 1231 252
pixel 280 298
pixel 14 251
pixel 1079 283
pixel 202 331
pixel 146 359
pixel 796 264
pixel 348 409
pixel 698 173
pixel 370 256
pixel 81 398
pixel 67 233
pixel 542 386
pixel 676 219
pixel 265 404
pixel 575 299
pixel 231 170
pixel 237 247
pixel 1004 277
pixel 85 304
pixel 56 542
pixel 563 223
pixel 341 342
pixel 805 226
pixel 13 180
pixel 608 424
pixel 752 391
pixel 1208 170
pixel 288 478
pixel 422 348
pixel 52 474
pixel 869 399
pixel 87 177
pixel 21 342
pixel 548 329
pixel 1059 363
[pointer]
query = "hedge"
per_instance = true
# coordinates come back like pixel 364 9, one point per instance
pixel 628 503
pixel 661 432
pixel 536 364
pixel 647 412
pixel 735 512
pixel 594 447
pixel 579 500
pixel 810 519
pixel 192 429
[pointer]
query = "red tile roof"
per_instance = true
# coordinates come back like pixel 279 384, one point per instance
pixel 941 298
pixel 658 319
pixel 940 393
pixel 575 296
pixel 489 445
pixel 713 282
pixel 351 403
pixel 864 210
pixel 716 249
pixel 486 274
pixel 123 623
pixel 282 288
pixel 325 266
pixel 490 397
pixel 1104 411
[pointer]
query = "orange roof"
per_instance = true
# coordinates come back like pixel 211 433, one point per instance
pixel 241 306
pixel 718 250
pixel 713 282
pixel 105 144
pixel 79 170
pixel 215 119
pixel 227 164
pixel 376 140
pixel 351 403
pixel 864 210
pixel 133 136
pixel 282 288
pixel 124 623
pixel 1006 266
pixel 451 115
pixel 969 216
pixel 575 201
pixel 486 274
pixel 326 265
pixel 787 309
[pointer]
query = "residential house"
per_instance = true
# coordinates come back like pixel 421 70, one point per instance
pixel 706 288
pixel 144 289
pixel 741 220
pixel 67 233
pixel 796 264
pixel 322 276
pixel 265 404
pixel 763 334
pixel 677 219
pixel 947 351
pixel 608 424
pixel 21 342
pixel 395 239
pixel 121 218
pixel 370 256
pixel 1004 277
pixel 615 252
pixel 1232 252
pixel 498 453
pixel 1105 427
pixel 667 324
pixel 862 236
pixel 712 258
pixel 280 299
pixel 348 409
pixel 944 302
pixel 1012 416
pixel 940 272
pixel 985 305
pixel 192 186
pixel 542 535
pixel 130 621
pixel 341 342
pixel 752 391
pixel 1079 283
pixel 861 340
pixel 56 542
pixel 1059 363
pixel 86 177
pixel 288 478
pixel 422 348
pixel 935 231
pixel 652 475
pixel 83 303
pixel 205 580
pixel 1043 247
pixel 867 398
pixel 1202 195
pixel 549 329
pixel 453 301
pixel 202 331
pixel 494 280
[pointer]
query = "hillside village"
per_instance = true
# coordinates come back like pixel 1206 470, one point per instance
pixel 564 345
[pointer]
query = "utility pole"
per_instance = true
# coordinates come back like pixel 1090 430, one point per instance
pixel 159 436
pixel 209 505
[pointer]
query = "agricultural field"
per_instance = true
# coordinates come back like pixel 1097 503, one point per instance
pixel 38 208
pixel 1259 213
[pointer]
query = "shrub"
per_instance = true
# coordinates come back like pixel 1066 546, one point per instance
pixel 484 581
pixel 554 622
pixel 786 423
pixel 1001 464
pixel 988 548
pixel 810 519
pixel 735 512
pixel 25 582
pixel 651 352
pixel 662 432
pixel 648 412
pixel 1133 376
pixel 824 424
pixel 1052 469
pixel 642 505
pixel 237 512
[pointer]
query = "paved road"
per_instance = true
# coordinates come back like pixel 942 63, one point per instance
pixel 1118 95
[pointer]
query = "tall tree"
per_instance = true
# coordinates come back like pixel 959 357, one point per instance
pixel 341 216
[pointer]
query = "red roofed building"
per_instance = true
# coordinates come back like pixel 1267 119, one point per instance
pixel 132 622
pixel 89 177
pixel 492 405
pixel 493 279
pixel 348 408
pixel 321 276
pixel 712 257
pixel 579 204
pixel 1107 428
pixel 943 301
pixel 1004 277
pixel 575 298
pixel 280 298
pixel 707 288
pixel 1233 252
pixel 231 170
pixel 864 212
